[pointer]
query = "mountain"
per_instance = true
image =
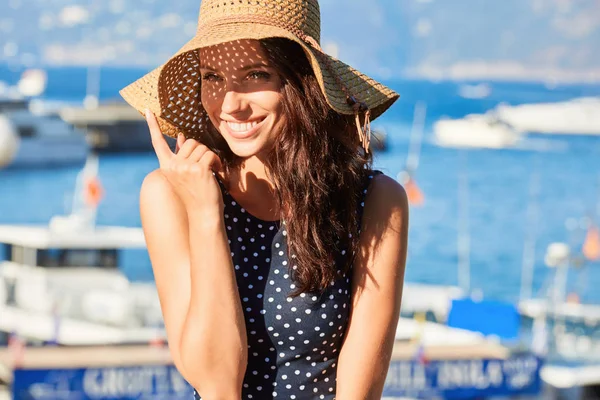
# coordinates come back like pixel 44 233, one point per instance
pixel 552 40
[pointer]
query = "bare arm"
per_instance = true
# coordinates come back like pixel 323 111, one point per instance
pixel 164 221
pixel 378 277
pixel 182 218
pixel 214 335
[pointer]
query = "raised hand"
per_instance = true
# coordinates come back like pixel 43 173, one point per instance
pixel 189 171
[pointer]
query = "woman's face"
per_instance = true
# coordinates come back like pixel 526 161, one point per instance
pixel 241 94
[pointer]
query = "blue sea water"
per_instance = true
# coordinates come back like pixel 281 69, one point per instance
pixel 566 169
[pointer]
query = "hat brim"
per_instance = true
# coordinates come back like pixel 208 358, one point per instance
pixel 335 78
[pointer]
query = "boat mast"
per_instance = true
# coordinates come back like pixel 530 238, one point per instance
pixel 406 176
pixel 416 137
pixel 463 241
pixel 528 263
pixel 92 87
pixel 79 208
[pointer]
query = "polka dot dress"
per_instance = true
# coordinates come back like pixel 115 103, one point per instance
pixel 293 343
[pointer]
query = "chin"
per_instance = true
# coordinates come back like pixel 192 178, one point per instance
pixel 248 149
pixel 258 145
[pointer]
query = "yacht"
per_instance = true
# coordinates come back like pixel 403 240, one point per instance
pixel 61 284
pixel 31 140
pixel 111 127
pixel 475 131
pixel 65 288
pixel 475 91
pixel 12 104
pixel 580 116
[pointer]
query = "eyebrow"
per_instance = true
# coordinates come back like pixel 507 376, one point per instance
pixel 255 65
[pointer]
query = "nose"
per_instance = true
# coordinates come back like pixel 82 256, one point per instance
pixel 233 102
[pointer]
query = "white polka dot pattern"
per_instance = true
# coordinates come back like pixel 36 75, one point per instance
pixel 293 343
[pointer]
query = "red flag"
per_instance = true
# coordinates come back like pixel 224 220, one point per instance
pixel 591 246
pixel 415 195
pixel 93 191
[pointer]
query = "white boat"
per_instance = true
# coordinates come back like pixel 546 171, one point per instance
pixel 475 131
pixel 563 377
pixel 579 116
pixel 12 103
pixel 433 334
pixel 562 327
pixel 575 312
pixel 30 140
pixel 61 283
pixel 111 127
pixel 33 82
pixel 475 91
pixel 419 298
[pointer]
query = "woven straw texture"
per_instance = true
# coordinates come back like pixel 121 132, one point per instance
pixel 172 91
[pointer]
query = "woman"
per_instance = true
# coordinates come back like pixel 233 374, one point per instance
pixel 278 254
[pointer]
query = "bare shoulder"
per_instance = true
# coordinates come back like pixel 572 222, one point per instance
pixel 156 189
pixel 156 194
pixel 155 184
pixel 386 203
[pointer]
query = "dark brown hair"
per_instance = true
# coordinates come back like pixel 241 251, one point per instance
pixel 318 168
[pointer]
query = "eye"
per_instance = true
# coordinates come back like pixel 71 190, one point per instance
pixel 210 77
pixel 259 75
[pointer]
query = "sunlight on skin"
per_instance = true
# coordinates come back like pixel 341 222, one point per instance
pixel 241 93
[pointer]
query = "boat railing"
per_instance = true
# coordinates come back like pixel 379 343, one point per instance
pixel 89 294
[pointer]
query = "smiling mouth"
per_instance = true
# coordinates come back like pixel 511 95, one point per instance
pixel 243 127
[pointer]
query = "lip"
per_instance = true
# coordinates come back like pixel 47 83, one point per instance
pixel 243 135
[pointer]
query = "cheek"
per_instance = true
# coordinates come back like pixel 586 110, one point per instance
pixel 269 101
pixel 273 103
pixel 211 103
pixel 211 99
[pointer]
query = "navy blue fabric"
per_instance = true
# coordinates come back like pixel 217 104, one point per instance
pixel 293 343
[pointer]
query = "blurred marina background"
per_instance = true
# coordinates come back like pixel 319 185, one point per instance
pixel 496 138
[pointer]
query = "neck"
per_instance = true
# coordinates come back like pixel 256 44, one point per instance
pixel 250 176
pixel 251 187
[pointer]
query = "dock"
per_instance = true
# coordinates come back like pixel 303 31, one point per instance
pixel 111 127
pixel 157 361
pixel 427 358
pixel 51 357
pixel 443 343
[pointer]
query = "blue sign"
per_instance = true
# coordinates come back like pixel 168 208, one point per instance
pixel 126 383
pixel 455 379
pixel 464 379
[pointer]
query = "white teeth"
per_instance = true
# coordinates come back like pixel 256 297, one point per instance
pixel 237 127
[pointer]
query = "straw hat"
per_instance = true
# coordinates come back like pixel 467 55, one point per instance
pixel 172 91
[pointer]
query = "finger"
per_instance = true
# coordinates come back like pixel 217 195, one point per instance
pixel 187 148
pixel 161 147
pixel 180 142
pixel 198 153
pixel 211 160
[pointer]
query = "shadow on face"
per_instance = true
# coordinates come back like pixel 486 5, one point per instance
pixel 241 93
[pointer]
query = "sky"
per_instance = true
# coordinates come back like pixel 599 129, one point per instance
pixel 549 40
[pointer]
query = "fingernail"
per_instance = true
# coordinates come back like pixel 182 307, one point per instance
pixel 148 113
